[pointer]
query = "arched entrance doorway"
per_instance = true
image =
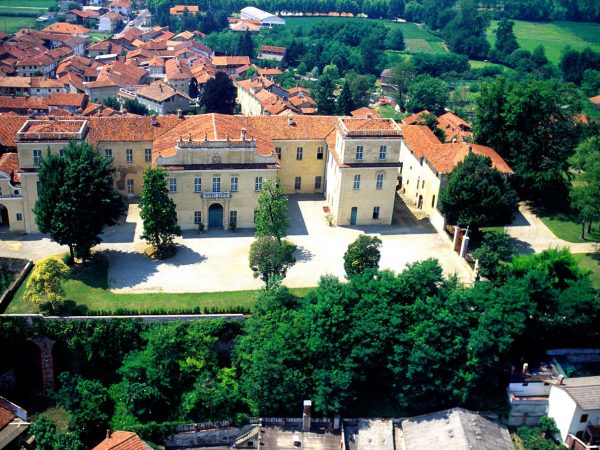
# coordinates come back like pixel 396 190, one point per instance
pixel 215 216
pixel 4 223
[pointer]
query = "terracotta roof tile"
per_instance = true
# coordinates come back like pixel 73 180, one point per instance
pixel 364 113
pixel 272 49
pixel 226 61
pixel 176 70
pixel 9 125
pixel 160 91
pixel 60 99
pixel 177 10
pixel 122 440
pixel 66 28
pixel 411 120
pixel 6 416
pixel 595 100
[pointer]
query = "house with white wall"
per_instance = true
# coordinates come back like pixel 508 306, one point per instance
pixel 574 404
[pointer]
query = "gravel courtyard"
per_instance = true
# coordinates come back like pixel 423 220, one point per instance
pixel 218 260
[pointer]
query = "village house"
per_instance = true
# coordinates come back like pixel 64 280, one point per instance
pixel 244 26
pixel 38 86
pixel 230 64
pixel 574 404
pixel 162 98
pixel 110 21
pixel 122 440
pixel 67 28
pixel 178 74
pixel 265 18
pixel 177 10
pixel 271 52
pixel 81 17
pixel 122 7
pixel 426 164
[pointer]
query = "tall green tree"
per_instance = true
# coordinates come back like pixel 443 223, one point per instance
pixel 585 191
pixel 44 285
pixel 530 123
pixel 245 45
pixel 76 199
pixel 271 258
pixel 158 211
pixel 506 41
pixel 219 94
pixel 272 213
pixel 477 194
pixel 362 254
pixel 344 103
pixel 428 93
pixel 324 95
pixel 135 107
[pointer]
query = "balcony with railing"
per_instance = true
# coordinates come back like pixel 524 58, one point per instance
pixel 221 194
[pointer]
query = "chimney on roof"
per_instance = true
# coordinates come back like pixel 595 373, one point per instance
pixel 525 369
pixel 291 122
pixel 153 120
pixel 561 379
pixel 306 415
pixel 179 113
pixel 470 149
pixel 108 433
pixel 243 134
pixel 369 115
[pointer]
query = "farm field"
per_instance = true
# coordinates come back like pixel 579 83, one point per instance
pixel 554 36
pixel 417 38
pixel 30 9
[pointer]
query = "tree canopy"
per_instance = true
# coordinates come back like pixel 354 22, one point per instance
pixel 218 95
pixel 272 213
pixel 362 254
pixel 76 198
pixel 157 211
pixel 477 194
pixel 530 123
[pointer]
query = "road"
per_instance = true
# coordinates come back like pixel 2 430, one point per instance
pixel 137 22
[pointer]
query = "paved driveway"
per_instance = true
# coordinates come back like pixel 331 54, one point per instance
pixel 532 235
pixel 218 260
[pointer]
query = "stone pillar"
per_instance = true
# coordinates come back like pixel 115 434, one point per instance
pixel 465 246
pixel 45 344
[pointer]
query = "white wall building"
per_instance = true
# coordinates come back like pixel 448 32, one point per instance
pixel 265 18
pixel 575 407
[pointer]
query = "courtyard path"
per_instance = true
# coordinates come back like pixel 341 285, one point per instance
pixel 218 260
pixel 532 234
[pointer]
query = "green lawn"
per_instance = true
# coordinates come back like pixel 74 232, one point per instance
pixel 97 37
pixel 554 36
pixel 9 25
pixel 37 4
pixel 481 64
pixel 390 113
pixel 564 223
pixel 87 292
pixel 591 262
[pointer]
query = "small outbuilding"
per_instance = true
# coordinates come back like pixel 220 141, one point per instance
pixel 265 18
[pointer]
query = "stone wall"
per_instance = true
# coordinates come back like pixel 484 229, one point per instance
pixel 20 267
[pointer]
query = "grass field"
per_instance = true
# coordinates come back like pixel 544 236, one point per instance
pixel 87 292
pixel 591 262
pixel 97 37
pixel 9 25
pixel 417 38
pixel 481 64
pixel 566 227
pixel 554 36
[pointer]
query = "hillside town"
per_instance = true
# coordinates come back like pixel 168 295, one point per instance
pixel 279 225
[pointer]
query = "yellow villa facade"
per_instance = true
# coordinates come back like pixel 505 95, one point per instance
pixel 216 164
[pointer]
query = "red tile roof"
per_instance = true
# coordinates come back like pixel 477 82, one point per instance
pixel 227 61
pixel 177 10
pixel 66 28
pixel 6 416
pixel 272 49
pixel 444 157
pixel 411 120
pixel 595 100
pixel 122 440
pixel 364 113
